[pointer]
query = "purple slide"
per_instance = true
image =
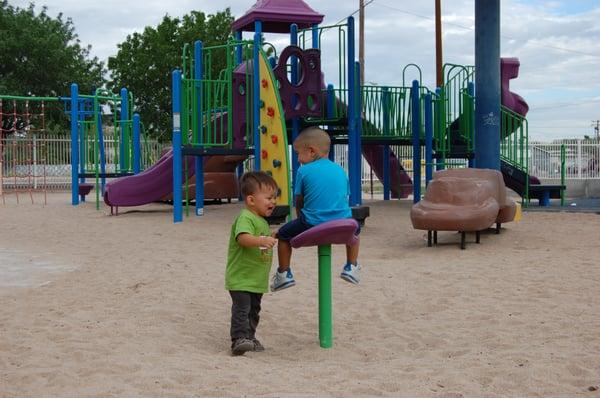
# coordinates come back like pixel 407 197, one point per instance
pixel 149 186
pixel 400 181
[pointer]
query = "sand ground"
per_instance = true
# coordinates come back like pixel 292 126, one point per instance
pixel 134 306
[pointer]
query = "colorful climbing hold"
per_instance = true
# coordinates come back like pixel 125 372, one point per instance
pixel 264 154
pixel 270 111
pixel 274 139
pixel 276 163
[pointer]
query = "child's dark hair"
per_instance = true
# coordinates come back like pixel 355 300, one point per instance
pixel 252 181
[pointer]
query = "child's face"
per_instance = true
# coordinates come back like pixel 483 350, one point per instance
pixel 262 202
pixel 306 153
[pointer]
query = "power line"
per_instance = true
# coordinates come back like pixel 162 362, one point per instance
pixel 472 29
pixel 343 19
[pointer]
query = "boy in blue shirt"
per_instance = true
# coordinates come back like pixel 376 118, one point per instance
pixel 321 190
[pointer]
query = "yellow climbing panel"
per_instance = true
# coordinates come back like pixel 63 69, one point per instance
pixel 273 135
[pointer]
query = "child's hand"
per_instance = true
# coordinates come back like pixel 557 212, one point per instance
pixel 267 242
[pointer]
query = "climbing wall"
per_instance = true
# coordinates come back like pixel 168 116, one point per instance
pixel 273 136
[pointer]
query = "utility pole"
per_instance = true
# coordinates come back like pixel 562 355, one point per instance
pixel 361 40
pixel 596 126
pixel 439 78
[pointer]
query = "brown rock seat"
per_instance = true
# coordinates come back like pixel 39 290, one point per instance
pixel 508 207
pixel 456 204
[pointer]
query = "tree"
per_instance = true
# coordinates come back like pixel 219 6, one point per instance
pixel 41 55
pixel 145 61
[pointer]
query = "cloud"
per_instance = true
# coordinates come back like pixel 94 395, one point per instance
pixel 557 43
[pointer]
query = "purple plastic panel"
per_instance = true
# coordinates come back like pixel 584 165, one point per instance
pixel 509 69
pixel 241 89
pixel 309 84
pixel 277 16
pixel 149 186
pixel 400 181
pixel 339 232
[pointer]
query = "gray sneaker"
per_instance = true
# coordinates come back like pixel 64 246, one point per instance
pixel 240 346
pixel 258 347
pixel 351 273
pixel 282 280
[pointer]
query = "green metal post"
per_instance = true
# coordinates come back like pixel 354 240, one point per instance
pixel 325 308
pixel 562 173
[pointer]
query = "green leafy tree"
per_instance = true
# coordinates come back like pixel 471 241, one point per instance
pixel 145 61
pixel 42 55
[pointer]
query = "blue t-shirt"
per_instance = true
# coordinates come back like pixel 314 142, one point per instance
pixel 325 188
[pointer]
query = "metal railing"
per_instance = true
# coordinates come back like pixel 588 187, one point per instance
pixel 582 159
pixel 40 163
pixel 44 163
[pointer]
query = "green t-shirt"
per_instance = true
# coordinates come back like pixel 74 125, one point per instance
pixel 248 267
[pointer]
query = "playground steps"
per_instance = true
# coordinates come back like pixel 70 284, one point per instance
pixel 515 179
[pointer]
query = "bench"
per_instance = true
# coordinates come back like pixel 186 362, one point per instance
pixel 463 200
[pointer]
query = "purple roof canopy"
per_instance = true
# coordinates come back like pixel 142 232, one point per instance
pixel 277 16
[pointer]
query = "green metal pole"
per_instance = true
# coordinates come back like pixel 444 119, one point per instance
pixel 562 173
pixel 325 308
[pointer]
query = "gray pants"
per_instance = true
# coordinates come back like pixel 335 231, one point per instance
pixel 245 312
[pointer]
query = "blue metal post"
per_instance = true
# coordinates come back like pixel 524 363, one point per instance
pixel 428 139
pixel 386 148
pixel 238 48
pixel 256 93
pixel 353 168
pixel 358 132
pixel 438 115
pixel 315 36
pixel 295 120
pixel 136 144
pixel 177 183
pixel 239 58
pixel 487 81
pixel 330 114
pixel 416 118
pixel 83 143
pixel 199 162
pixel 74 146
pixel 123 155
pixel 471 91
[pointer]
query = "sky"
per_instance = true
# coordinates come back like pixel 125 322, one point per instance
pixel 557 43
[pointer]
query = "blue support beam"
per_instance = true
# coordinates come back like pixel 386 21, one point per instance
pixel 487 83
pixel 74 146
pixel 428 139
pixel 199 161
pixel 386 148
pixel 295 120
pixel 256 93
pixel 177 153
pixel 416 139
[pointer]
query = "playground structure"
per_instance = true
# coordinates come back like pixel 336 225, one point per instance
pixel 215 111
pixel 88 120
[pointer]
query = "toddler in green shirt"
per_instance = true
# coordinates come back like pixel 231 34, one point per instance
pixel 249 259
